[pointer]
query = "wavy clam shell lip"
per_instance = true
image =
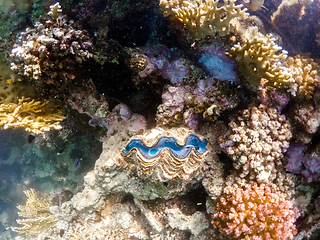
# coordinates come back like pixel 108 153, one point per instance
pixel 166 159
pixel 179 151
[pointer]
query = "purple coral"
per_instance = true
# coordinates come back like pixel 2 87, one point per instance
pixel 187 105
pixel 214 61
pixel 301 163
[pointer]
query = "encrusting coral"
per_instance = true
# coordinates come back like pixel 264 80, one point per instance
pixel 204 18
pixel 255 213
pixel 31 115
pixel 260 59
pixel 36 214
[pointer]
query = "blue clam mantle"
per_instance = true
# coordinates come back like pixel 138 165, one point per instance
pixel 192 142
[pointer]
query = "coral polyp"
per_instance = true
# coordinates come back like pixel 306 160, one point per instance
pixel 166 157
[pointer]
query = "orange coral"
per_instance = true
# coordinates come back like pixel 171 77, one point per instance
pixel 255 213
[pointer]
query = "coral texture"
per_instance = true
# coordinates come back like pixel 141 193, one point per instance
pixel 257 139
pixel 305 72
pixel 260 58
pixel 188 104
pixel 255 213
pixel 50 53
pixel 204 18
pixel 32 115
pixel 300 162
pixel 37 216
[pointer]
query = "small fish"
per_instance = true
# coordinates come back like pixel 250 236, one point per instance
pixel 9 80
pixel 254 5
pixel 5 199
pixel 77 163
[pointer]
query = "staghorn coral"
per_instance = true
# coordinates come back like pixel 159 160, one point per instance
pixel 255 213
pixel 54 10
pixel 163 156
pixel 32 115
pixel 256 141
pixel 36 214
pixel 204 18
pixel 260 59
pixel 305 72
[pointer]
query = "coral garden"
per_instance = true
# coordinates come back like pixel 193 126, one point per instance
pixel 160 119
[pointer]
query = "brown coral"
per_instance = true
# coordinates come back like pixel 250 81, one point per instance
pixel 255 213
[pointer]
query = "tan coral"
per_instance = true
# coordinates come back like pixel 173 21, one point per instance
pixel 29 114
pixel 305 71
pixel 204 18
pixel 257 139
pixel 261 58
pixel 36 214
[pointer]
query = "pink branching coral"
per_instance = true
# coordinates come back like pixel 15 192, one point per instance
pixel 255 213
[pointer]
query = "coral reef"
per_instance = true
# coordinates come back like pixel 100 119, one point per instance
pixel 302 163
pixel 204 18
pixel 260 59
pixel 305 73
pixel 36 214
pixel 255 213
pixel 50 53
pixel 173 113
pixel 32 115
pixel 188 105
pixel 256 141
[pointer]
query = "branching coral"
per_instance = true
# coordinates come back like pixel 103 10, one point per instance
pixel 54 10
pixel 260 58
pixel 255 213
pixel 36 214
pixel 256 142
pixel 204 18
pixel 305 71
pixel 29 114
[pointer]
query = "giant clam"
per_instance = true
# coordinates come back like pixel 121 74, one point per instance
pixel 163 155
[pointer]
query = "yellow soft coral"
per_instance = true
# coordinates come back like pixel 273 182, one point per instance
pixel 29 114
pixel 36 214
pixel 260 59
pixel 305 71
pixel 204 18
